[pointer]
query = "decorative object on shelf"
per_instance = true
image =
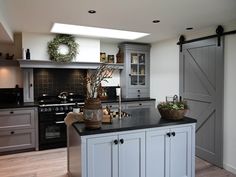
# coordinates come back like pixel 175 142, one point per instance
pixel 62 48
pixel 103 58
pixel 173 110
pixel 111 59
pixel 9 57
pixel 27 54
pixel 93 112
pixel 120 57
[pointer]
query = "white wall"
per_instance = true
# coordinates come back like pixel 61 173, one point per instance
pixel 162 84
pixel 164 69
pixel 10 76
pixel 111 49
pixel 229 104
pixel 89 49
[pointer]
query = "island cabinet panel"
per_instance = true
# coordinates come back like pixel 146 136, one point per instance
pixel 169 152
pixel 118 155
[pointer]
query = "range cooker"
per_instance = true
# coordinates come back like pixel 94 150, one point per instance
pixel 52 128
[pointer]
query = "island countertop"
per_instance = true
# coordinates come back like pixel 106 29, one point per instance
pixel 139 119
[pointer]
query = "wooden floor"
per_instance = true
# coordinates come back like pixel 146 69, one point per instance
pixel 52 163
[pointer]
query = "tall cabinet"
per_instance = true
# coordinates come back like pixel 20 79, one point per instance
pixel 135 77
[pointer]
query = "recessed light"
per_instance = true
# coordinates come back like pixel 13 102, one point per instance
pixel 95 32
pixel 189 28
pixel 155 21
pixel 92 11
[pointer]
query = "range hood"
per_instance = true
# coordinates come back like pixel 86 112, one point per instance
pixel 72 65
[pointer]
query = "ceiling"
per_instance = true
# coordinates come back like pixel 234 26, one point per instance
pixel 134 15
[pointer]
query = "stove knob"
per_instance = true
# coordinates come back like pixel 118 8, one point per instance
pixel 61 109
pixel 41 110
pixel 45 109
pixel 49 109
pixel 56 109
pixel 66 108
pixel 70 108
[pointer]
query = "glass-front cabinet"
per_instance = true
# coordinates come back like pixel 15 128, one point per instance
pixel 135 76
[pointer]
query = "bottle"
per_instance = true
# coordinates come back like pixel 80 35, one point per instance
pixel 27 54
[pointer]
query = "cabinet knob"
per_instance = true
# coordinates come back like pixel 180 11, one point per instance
pixel 31 85
pixel 140 104
pixel 139 91
pixel 12 132
pixel 129 74
pixel 115 141
pixel 139 96
pixel 122 141
pixel 173 133
pixel 12 112
pixel 168 134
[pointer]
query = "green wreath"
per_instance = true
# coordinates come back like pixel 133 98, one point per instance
pixel 62 39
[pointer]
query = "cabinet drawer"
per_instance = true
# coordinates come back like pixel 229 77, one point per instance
pixel 113 106
pixel 16 119
pixel 140 104
pixel 140 95
pixel 17 140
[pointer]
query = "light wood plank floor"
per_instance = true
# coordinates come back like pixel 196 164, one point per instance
pixel 52 163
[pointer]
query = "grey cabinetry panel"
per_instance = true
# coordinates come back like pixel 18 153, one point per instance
pixel 17 139
pixel 140 104
pixel 17 119
pixel 135 77
pixel 18 129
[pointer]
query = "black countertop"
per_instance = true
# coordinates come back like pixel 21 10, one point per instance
pixel 139 119
pixel 35 104
pixel 22 105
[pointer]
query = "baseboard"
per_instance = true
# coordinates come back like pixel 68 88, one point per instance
pixel 229 168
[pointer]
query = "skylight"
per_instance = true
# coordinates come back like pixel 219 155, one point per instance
pixel 95 32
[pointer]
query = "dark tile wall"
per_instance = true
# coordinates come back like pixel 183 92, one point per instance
pixel 54 81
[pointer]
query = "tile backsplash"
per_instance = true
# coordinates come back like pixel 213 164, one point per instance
pixel 54 81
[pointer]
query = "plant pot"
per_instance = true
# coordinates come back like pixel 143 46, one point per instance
pixel 172 114
pixel 93 113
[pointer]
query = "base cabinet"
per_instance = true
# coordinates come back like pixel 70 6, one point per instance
pixel 170 152
pixel 153 152
pixel 119 155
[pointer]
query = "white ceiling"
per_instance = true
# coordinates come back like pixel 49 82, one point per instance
pixel 134 15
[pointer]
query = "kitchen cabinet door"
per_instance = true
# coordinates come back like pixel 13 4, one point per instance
pixel 102 155
pixel 180 152
pixel 132 155
pixel 169 153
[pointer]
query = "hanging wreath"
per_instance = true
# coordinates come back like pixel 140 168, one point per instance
pixel 66 42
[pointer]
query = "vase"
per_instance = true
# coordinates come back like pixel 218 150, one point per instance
pixel 93 113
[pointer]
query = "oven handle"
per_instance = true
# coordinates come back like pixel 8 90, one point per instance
pixel 60 122
pixel 59 113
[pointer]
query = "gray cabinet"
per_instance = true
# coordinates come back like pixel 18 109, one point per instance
pixel 135 77
pixel 18 129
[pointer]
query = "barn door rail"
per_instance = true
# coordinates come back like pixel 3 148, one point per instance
pixel 219 33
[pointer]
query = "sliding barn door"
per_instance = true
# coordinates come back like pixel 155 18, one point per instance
pixel 201 84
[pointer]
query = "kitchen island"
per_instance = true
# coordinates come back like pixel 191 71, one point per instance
pixel 142 145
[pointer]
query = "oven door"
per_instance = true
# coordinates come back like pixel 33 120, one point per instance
pixel 52 132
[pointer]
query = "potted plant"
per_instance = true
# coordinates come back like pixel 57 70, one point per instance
pixel 173 110
pixel 93 108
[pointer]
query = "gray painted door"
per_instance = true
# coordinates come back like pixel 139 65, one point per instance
pixel 201 85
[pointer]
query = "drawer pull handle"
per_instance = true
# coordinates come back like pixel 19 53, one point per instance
pixel 12 112
pixel 115 141
pixel 12 132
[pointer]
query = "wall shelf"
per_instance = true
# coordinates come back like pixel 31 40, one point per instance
pixel 5 62
pixel 73 65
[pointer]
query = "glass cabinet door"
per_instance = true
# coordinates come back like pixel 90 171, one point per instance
pixel 138 69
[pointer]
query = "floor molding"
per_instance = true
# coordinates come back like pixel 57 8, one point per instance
pixel 229 168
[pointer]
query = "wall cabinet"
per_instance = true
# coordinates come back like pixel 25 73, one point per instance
pixel 135 76
pixel 169 152
pixel 121 155
pixel 18 129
